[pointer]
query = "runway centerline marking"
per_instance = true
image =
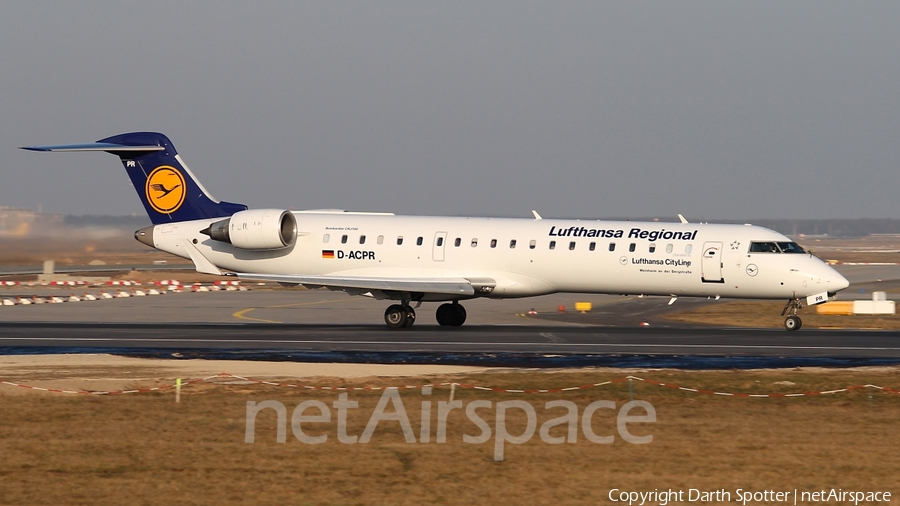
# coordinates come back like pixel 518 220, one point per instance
pixel 240 314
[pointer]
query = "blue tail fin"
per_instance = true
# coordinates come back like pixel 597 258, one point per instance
pixel 165 185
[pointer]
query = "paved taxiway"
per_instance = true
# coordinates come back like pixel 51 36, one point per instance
pixel 324 321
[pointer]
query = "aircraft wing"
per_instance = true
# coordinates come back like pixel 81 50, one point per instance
pixel 448 286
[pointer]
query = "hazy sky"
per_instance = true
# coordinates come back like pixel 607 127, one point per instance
pixel 717 110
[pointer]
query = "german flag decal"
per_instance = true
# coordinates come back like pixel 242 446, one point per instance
pixel 327 253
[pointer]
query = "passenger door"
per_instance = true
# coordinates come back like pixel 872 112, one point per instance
pixel 711 263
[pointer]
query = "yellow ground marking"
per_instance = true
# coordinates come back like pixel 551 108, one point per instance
pixel 241 314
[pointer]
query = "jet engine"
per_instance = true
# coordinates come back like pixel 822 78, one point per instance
pixel 256 229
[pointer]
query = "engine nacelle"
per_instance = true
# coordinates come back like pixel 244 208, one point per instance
pixel 256 229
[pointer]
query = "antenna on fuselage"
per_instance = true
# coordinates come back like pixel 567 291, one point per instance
pixel 536 215
pixel 682 218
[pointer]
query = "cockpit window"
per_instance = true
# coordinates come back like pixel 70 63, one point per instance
pixel 763 247
pixel 790 247
pixel 775 247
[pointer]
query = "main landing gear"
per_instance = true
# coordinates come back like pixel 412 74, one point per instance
pixel 403 315
pixel 398 316
pixel 450 315
pixel 792 322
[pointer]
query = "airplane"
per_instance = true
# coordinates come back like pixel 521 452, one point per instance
pixel 416 259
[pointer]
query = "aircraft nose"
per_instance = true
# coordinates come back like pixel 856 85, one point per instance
pixel 835 281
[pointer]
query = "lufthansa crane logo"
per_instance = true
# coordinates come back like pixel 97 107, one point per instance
pixel 165 189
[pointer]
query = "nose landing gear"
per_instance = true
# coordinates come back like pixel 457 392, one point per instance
pixel 792 322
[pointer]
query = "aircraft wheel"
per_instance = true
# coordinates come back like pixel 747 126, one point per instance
pixel 444 315
pixel 395 316
pixel 459 315
pixel 410 316
pixel 792 322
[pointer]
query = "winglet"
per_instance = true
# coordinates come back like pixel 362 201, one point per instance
pixel 536 215
pixel 683 220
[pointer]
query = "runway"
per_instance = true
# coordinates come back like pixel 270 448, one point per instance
pixel 318 325
pixel 473 339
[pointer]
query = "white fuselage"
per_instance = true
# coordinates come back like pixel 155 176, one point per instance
pixel 528 257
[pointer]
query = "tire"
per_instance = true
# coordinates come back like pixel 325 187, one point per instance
pixel 410 317
pixel 792 323
pixel 444 315
pixel 395 316
pixel 459 316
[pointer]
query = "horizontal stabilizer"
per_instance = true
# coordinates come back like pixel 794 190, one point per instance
pixel 96 146
pixel 449 286
pixel 166 186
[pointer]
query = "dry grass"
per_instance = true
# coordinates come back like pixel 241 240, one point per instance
pixel 71 249
pixel 145 449
pixel 767 314
pixel 855 249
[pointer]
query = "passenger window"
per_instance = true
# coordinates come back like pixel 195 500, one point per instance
pixel 652 248
pixel 440 242
pixel 419 241
pixel 631 247
pixel 669 248
pixel 612 246
pixel 688 249
pixel 325 238
pixel 493 243
pixel 552 244
pixel 343 239
pixel 474 242
pixel 362 239
pixel 571 245
pixel 512 244
pixel 592 246
pixel 532 244
pixel 380 239
pixel 457 242
pixel 399 240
